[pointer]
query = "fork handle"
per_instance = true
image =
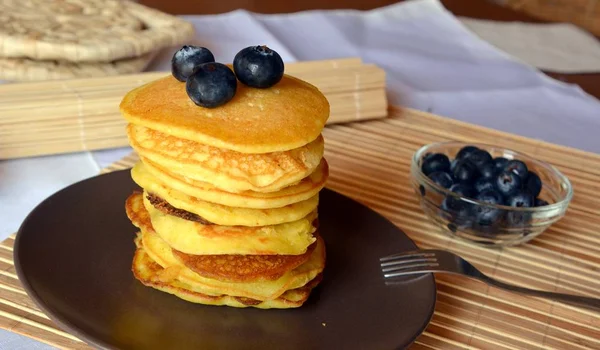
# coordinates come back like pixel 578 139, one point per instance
pixel 575 300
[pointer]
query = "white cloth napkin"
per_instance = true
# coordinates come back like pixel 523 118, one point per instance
pixel 555 47
pixel 433 62
pixel 25 182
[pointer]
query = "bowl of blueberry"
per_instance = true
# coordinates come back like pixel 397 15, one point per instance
pixel 488 194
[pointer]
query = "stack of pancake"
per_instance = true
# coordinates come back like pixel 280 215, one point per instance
pixel 228 212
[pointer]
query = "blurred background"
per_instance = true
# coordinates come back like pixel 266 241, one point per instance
pixel 584 13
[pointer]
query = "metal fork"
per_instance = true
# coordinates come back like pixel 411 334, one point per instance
pixel 424 261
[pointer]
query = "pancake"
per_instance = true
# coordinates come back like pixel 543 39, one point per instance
pixel 191 237
pixel 305 189
pixel 167 208
pixel 288 115
pixel 217 213
pixel 194 238
pixel 151 274
pixel 243 268
pixel 161 253
pixel 228 170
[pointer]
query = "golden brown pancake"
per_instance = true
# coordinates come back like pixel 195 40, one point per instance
pixel 161 253
pixel 286 116
pixel 167 208
pixel 243 268
pixel 225 169
pixel 217 213
pixel 187 237
pixel 194 238
pixel 305 189
pixel 134 208
pixel 151 274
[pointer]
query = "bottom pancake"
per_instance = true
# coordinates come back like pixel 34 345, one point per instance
pixel 151 274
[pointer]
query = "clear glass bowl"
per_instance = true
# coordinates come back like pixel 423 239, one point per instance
pixel 514 225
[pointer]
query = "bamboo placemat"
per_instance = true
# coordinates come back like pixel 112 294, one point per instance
pixel 83 114
pixel 370 162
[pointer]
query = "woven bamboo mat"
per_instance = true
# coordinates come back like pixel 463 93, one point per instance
pixel 370 162
pixel 62 116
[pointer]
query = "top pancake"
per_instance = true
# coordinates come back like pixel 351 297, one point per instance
pixel 288 115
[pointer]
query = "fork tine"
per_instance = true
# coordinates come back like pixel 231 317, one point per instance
pixel 406 260
pixel 413 271
pixel 410 266
pixel 414 253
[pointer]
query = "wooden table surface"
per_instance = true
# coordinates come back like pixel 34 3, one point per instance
pixel 479 9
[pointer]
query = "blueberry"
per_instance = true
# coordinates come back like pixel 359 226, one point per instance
pixel 540 202
pixel 483 184
pixel 452 227
pixel 488 215
pixel 500 163
pixel 441 178
pixel 533 184
pixel 487 170
pixel 490 197
pixel 453 204
pixel 456 206
pixel 435 162
pixel 521 199
pixel 508 183
pixel 186 59
pixel 258 66
pixel 463 190
pixel 517 167
pixel 465 152
pixel 466 172
pixel 479 157
pixel 453 165
pixel 459 211
pixel 518 219
pixel 211 85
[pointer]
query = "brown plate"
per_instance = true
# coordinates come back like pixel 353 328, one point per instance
pixel 73 256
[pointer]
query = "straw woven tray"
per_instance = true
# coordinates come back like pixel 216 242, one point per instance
pixel 370 162
pixel 86 30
